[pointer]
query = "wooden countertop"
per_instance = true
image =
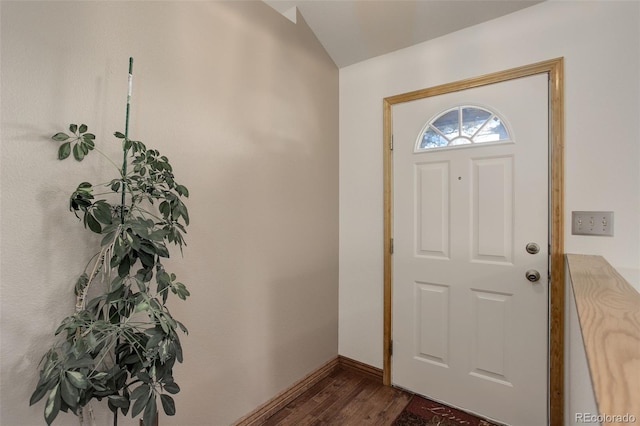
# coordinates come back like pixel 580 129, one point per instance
pixel 609 314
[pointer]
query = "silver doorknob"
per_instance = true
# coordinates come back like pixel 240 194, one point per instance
pixel 532 275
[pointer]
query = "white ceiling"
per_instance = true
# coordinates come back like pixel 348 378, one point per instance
pixel 354 30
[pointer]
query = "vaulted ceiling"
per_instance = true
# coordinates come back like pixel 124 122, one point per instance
pixel 354 30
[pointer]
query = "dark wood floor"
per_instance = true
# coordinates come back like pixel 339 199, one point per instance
pixel 343 398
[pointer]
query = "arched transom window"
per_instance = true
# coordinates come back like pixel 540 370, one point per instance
pixel 462 125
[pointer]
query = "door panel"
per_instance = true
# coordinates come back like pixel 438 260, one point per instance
pixel 468 328
pixel 492 210
pixel 432 202
pixel 491 313
pixel 432 307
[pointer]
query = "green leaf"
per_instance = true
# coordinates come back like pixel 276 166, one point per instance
pixel 107 238
pixel 158 235
pixel 131 359
pixel 150 412
pixel 84 362
pixel 165 209
pixel 119 135
pixel 124 267
pixel 88 142
pixel 102 212
pixel 60 137
pixel 111 297
pixel 141 395
pixel 162 250
pixel 53 404
pixel 77 379
pixel 100 376
pixel 40 392
pixel 50 365
pixel 182 190
pixel 64 151
pixel 164 325
pixel 163 278
pixel 172 387
pixel 93 303
pixel 112 407
pixel 116 284
pixel 119 401
pixel 142 306
pixel 168 405
pixel 178 349
pixel 134 240
pixel 182 327
pixel 73 128
pixel 144 377
pixel 154 341
pixel 147 247
pixel 83 128
pixel 92 341
pixel 164 351
pixel 125 394
pixel 181 291
pixel 147 259
pixel 93 224
pixel 79 348
pixel 69 393
pixel 181 210
pixel 78 154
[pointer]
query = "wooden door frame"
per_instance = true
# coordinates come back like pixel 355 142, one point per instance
pixel 554 68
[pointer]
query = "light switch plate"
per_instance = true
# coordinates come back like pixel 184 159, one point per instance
pixel 592 223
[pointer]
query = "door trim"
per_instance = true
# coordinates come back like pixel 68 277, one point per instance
pixel 554 68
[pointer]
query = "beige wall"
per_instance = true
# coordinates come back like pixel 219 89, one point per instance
pixel 245 105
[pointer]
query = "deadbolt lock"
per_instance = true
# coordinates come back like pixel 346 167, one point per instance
pixel 532 248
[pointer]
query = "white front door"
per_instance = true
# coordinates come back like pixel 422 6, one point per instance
pixel 469 329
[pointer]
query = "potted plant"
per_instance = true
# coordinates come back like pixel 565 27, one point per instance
pixel 121 345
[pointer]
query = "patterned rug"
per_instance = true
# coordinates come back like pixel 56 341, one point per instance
pixel 422 412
